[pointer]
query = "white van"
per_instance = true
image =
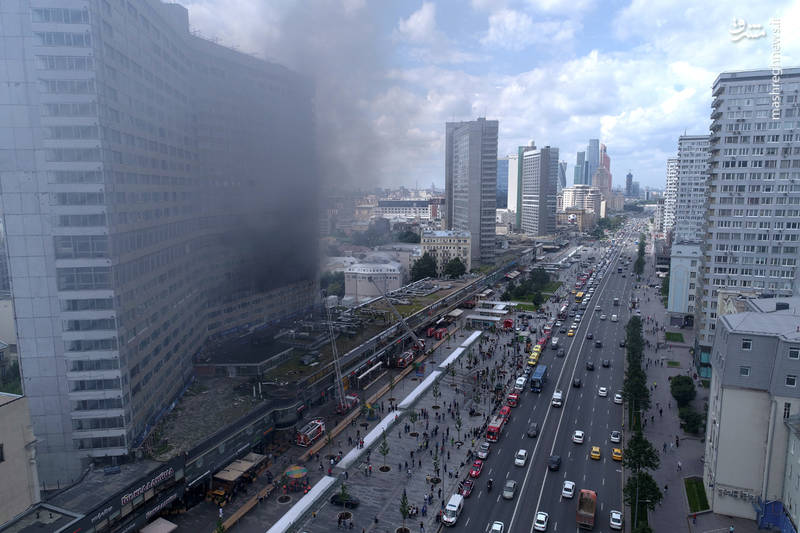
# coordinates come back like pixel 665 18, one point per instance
pixel 558 399
pixel 614 318
pixel 453 510
pixel 519 386
pixel 554 343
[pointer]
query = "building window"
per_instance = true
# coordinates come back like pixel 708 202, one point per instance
pixel 794 352
pixel 744 371
pixel 791 380
pixel 747 344
pixel 787 409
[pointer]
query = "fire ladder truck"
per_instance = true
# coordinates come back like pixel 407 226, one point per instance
pixel 310 432
pixel 419 344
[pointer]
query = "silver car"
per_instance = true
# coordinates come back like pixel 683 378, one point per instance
pixel 510 489
pixel 483 450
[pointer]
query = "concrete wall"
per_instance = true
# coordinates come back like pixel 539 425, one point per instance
pixel 19 484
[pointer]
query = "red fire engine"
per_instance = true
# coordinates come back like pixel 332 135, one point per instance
pixel 311 432
pixel 405 359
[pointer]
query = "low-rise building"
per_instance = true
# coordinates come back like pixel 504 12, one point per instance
pixel 360 280
pixel 683 278
pixel 19 481
pixel 576 217
pixel 447 245
pixel 755 386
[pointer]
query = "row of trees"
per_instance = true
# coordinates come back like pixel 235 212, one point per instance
pixel 683 390
pixel 640 456
pixel 607 223
pixel 638 265
pixel 425 267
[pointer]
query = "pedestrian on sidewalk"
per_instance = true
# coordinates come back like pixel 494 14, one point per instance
pixel 680 466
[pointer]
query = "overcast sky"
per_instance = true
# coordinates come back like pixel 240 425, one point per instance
pixel 389 74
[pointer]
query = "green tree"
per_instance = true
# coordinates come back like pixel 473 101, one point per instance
pixel 665 286
pixel 455 268
pixel 220 526
pixel 332 283
pixel 642 528
pixel 458 426
pixel 408 236
pixel 640 454
pixel 638 265
pixel 413 416
pixel 424 267
pixel 693 421
pixel 538 298
pixel 634 389
pixel 648 490
pixel 11 381
pixel 404 509
pixel 682 389
pixel 383 449
pixel 539 278
pixel 343 493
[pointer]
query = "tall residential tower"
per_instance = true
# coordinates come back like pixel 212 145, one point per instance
pixel 539 184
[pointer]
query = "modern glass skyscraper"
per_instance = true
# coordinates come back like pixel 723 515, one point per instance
pixel 592 159
pixel 562 176
pixel 149 195
pixel 471 183
pixel 579 175
pixel 502 182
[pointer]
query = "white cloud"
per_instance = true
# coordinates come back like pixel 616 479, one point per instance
pixel 515 30
pixel 420 26
pixel 571 7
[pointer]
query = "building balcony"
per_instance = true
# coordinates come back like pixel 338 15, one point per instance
pixel 719 90
pixel 715 127
pixel 716 103
pixel 716 114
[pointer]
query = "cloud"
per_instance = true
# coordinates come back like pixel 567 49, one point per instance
pixel 424 41
pixel 572 7
pixel 515 30
pixel 420 26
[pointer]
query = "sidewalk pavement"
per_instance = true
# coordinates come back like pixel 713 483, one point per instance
pixel 410 463
pixel 685 460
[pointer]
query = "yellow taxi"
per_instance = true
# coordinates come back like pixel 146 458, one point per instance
pixel 595 453
pixel 616 454
pixel 537 348
pixel 533 361
pixel 571 333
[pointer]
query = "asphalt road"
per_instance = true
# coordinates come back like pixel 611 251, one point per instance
pixel 539 488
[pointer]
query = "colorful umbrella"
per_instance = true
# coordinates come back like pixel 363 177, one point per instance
pixel 296 472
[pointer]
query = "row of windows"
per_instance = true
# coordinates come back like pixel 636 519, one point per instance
pixel 97 404
pixel 60 38
pixel 81 221
pixel 90 325
pixel 78 63
pixel 81 246
pixel 99 442
pixel 85 424
pixel 71 132
pixel 70 109
pixel 83 278
pixel 88 365
pixel 94 384
pixel 790 380
pixel 60 15
pixel 91 345
pixel 91 304
pixel 67 86
pixel 72 155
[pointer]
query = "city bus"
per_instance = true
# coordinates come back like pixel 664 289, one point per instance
pixel 579 297
pixel 494 429
pixel 562 313
pixel 539 378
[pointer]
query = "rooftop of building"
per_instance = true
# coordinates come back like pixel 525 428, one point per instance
pixel 98 486
pixel 41 518
pixel 7 397
pixel 445 233
pixel 758 74
pixel 765 319
pixel 249 349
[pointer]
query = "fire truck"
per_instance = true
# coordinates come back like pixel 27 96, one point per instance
pixel 405 359
pixel 440 333
pixel 311 432
pixel 431 331
pixel 350 401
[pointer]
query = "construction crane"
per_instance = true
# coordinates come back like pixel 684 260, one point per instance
pixel 342 404
pixel 419 344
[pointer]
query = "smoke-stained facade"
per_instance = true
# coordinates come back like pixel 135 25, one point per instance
pixel 146 201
